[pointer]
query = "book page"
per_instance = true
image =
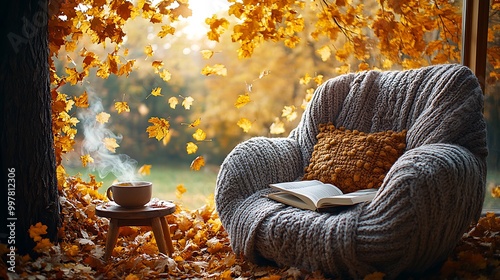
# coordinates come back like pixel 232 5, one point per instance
pixel 314 190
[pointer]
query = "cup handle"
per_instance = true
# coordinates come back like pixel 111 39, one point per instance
pixel 109 194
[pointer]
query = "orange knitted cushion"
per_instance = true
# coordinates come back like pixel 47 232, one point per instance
pixel 353 160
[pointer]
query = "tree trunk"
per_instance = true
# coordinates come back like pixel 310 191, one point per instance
pixel 27 149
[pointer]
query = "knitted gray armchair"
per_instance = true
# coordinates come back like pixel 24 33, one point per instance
pixel 427 200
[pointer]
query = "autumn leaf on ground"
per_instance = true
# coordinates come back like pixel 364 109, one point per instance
pixel 102 117
pixel 122 106
pixel 217 69
pixel 82 101
pixel 198 163
pixel 242 100
pixel 374 276
pixel 159 129
pixel 278 127
pixel 289 112
pixel 148 50
pixel 42 245
pixel 86 159
pixel 191 148
pixel 37 230
pixel 187 102
pixel 199 135
pixel 145 169
pixel 173 101
pixel 206 54
pixel 110 144
pixel 245 124
pixel 180 190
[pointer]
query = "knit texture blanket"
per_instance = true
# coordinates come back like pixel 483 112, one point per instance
pixel 426 202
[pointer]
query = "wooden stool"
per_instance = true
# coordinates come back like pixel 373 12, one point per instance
pixel 152 214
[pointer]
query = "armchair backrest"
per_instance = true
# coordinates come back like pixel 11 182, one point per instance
pixel 436 104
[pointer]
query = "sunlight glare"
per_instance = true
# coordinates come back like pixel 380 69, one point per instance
pixel 196 27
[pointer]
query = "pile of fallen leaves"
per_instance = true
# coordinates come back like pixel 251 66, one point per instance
pixel 202 248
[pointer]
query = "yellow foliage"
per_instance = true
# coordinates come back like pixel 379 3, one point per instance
pixel 198 163
pixel 122 106
pixel 159 128
pixel 110 144
pixel 199 135
pixel 145 169
pixel 242 100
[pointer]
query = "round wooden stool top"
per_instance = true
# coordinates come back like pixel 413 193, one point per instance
pixel 152 214
pixel 155 208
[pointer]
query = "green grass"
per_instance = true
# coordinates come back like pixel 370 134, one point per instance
pixel 200 185
pixel 492 180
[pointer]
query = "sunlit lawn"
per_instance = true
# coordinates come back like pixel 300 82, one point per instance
pixel 200 185
pixel 491 203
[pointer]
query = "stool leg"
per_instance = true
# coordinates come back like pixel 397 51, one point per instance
pixel 111 239
pixel 166 234
pixel 158 232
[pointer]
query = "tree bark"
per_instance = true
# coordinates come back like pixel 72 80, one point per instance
pixel 27 148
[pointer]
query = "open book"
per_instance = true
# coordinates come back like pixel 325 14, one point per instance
pixel 314 195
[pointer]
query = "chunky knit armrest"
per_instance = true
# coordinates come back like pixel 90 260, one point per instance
pixel 430 197
pixel 251 167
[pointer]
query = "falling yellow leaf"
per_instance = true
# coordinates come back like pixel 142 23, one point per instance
pixel 159 129
pixel 195 123
pixel 148 50
pixel 199 135
pixel 86 159
pixel 122 107
pixel 102 117
pixel 110 144
pixel 278 127
pixel 157 64
pixel 166 139
pixel 145 169
pixel 206 54
pixel 165 30
pixel 165 75
pixel 290 113
pixel 198 163
pixel 242 100
pixel 156 92
pixel 191 148
pixel 180 190
pixel 82 101
pixel 217 69
pixel 306 79
pixel 187 102
pixel 173 101
pixel 324 52
pixel 245 124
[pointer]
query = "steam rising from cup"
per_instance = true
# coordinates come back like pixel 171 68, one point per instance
pixel 121 165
